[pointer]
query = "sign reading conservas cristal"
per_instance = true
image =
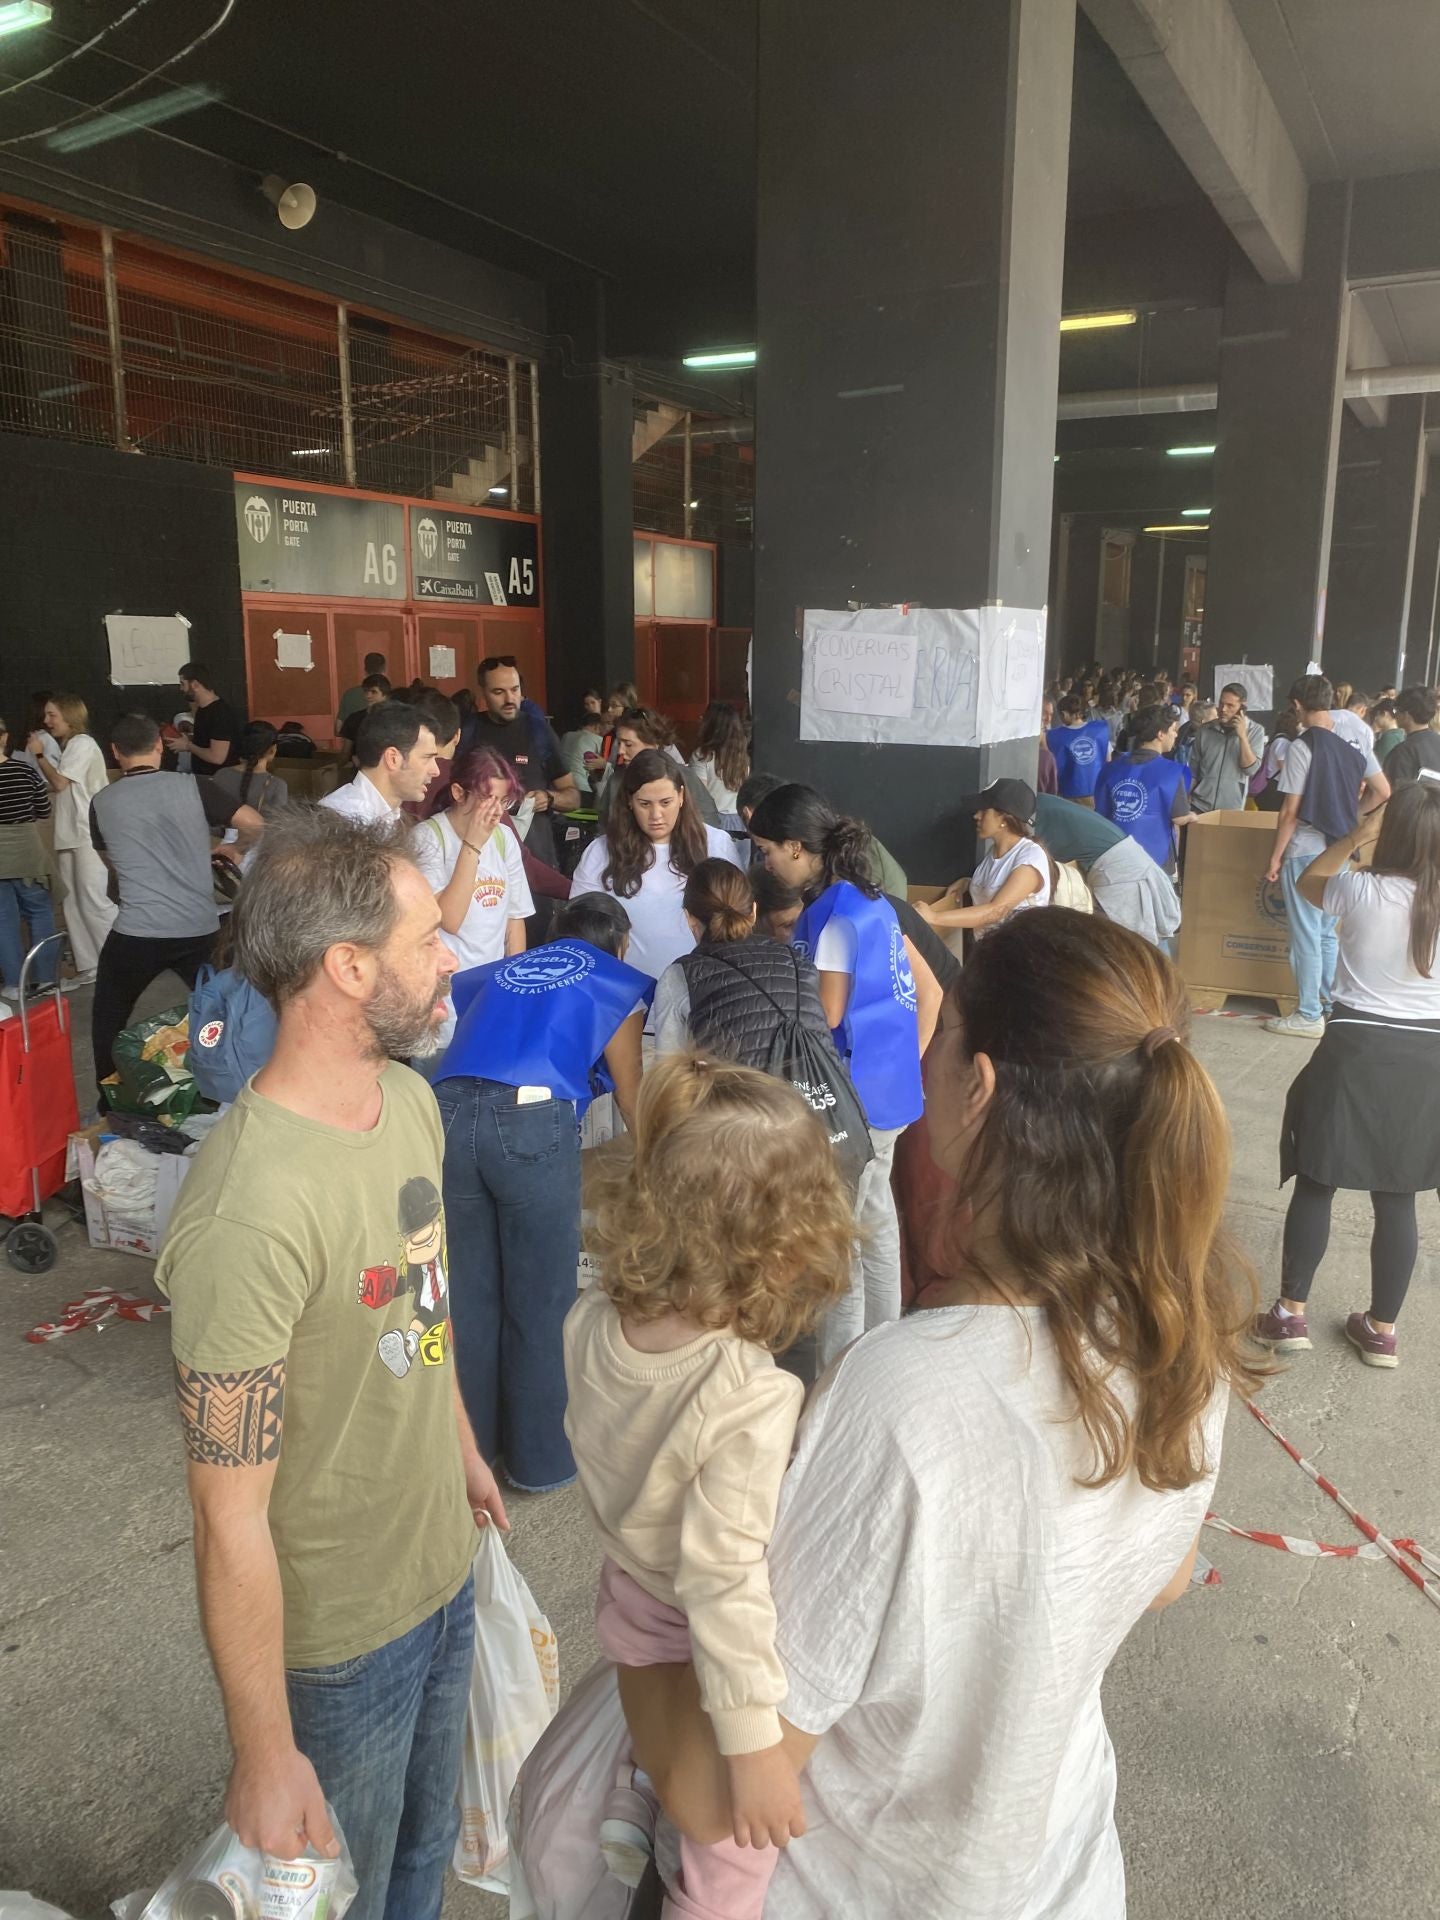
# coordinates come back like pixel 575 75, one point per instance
pixel 293 540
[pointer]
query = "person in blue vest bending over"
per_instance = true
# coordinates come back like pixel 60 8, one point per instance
pixel 882 1003
pixel 537 1035
pixel 1144 793
pixel 1081 747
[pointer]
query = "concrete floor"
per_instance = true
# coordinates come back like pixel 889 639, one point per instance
pixel 1277 1735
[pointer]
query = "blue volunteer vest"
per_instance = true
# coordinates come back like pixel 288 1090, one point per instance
pixel 879 1039
pixel 1139 795
pixel 543 1019
pixel 1080 755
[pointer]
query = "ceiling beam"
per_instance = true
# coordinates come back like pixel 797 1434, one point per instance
pixel 1193 68
pixel 1366 349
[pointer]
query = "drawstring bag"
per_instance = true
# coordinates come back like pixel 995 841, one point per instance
pixel 232 1032
pixel 813 1067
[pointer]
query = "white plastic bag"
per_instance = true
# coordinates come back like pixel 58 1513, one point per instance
pixel 24 1906
pixel 514 1691
pixel 309 1888
pixel 557 1871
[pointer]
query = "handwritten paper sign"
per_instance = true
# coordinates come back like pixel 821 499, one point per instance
pixel 855 671
pixel 146 650
pixel 976 679
pixel 1258 682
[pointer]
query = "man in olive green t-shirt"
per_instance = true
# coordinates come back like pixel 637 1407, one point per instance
pixel 335 1481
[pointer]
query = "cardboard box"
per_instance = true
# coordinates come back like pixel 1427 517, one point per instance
pixel 1235 933
pixel 130 1237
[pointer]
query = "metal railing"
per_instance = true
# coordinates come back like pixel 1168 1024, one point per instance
pixel 107 341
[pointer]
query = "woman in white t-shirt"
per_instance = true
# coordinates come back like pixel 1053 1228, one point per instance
pixel 987 1495
pixel 1364 1112
pixel 1017 873
pixel 75 779
pixel 472 861
pixel 653 842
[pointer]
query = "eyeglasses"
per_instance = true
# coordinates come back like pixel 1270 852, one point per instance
pixel 494 660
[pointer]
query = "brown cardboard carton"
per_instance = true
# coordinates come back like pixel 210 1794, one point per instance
pixel 1234 935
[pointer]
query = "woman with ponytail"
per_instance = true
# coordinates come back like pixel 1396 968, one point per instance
pixel 882 1003
pixel 1365 1111
pixel 988 1495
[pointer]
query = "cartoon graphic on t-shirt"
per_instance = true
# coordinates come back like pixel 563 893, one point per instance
pixel 422 1273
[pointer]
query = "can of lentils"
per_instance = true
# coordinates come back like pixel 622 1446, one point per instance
pixel 224 1895
pixel 297 1889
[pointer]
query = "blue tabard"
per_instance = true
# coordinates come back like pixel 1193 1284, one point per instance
pixel 543 1019
pixel 879 1039
pixel 1138 795
pixel 1080 754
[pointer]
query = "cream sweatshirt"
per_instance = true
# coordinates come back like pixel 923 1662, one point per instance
pixel 681 1456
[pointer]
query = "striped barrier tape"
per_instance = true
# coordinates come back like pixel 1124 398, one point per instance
pixel 1390 1548
pixel 95 1306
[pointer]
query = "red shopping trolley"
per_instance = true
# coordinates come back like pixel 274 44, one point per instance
pixel 38 1114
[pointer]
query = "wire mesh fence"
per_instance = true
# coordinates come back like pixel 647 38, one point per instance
pixel 721 475
pixel 219 369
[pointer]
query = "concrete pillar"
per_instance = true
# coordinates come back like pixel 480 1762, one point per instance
pixel 1424 582
pixel 1282 364
pixel 1378 661
pixel 910 233
pixel 587 420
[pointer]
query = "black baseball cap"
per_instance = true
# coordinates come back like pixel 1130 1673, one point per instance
pixel 1005 796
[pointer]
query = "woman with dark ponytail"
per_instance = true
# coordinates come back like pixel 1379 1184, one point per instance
pixel 882 1003
pixel 1364 1112
pixel 741 994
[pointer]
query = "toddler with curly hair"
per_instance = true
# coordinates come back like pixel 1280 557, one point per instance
pixel 723 1234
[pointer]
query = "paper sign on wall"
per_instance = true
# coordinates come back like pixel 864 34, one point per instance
pixel 922 676
pixel 294 650
pixel 145 650
pixel 1258 682
pixel 442 663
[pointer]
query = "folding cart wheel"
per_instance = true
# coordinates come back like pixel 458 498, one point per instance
pixel 31 1247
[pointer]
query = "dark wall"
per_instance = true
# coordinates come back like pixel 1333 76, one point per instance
pixel 91 532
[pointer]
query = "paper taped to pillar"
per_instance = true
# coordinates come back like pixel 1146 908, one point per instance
pixel 922 676
pixel 1258 682
pixel 146 650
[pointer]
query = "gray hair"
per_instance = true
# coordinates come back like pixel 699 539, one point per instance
pixel 317 878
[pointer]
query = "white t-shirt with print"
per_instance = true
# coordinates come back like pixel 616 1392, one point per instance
pixel 993 871
pixel 659 932
pixel 1374 974
pixel 83 764
pixel 1306 843
pixel 501 892
pixel 948 1600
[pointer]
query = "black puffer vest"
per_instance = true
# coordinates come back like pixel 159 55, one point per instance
pixel 728 1007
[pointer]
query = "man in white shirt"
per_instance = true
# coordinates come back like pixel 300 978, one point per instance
pixel 396 753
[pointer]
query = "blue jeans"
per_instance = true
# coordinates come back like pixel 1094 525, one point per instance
pixel 385 1733
pixel 1314 944
pixel 512 1210
pixel 26 900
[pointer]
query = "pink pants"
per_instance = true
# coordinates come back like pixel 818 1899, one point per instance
pixel 722 1881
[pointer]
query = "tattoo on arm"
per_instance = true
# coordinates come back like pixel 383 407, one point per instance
pixel 232 1419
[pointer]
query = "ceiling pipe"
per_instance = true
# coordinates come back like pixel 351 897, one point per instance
pixel 1361 383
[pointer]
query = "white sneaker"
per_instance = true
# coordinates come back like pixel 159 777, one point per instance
pixel 1297 1027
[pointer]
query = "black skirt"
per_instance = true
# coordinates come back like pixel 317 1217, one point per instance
pixel 1364 1112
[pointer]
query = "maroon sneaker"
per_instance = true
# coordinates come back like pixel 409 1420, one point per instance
pixel 1284 1332
pixel 1375 1349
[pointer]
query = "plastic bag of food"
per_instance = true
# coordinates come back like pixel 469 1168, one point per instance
pixel 222 1879
pixel 152 1069
pixel 514 1691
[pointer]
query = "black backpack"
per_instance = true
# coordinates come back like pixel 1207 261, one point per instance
pixel 814 1068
